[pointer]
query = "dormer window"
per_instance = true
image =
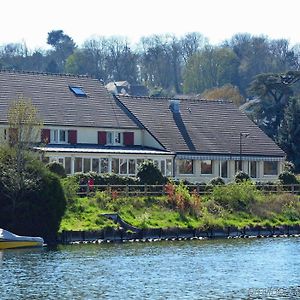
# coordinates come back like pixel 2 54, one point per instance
pixel 59 136
pixel 114 138
pixel 78 91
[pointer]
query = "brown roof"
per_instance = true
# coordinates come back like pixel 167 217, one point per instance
pixel 58 105
pixel 203 126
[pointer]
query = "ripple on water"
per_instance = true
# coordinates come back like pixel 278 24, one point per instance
pixel 213 269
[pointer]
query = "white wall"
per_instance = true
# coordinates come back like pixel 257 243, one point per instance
pixel 149 141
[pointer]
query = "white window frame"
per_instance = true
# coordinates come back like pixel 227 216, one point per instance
pixel 212 171
pixel 193 166
pixel 220 169
pixel 271 175
pixel 55 135
pixel 250 170
pixel 114 138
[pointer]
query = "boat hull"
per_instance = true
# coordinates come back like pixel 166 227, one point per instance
pixel 10 240
pixel 19 244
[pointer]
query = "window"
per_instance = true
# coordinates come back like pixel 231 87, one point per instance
pixel 110 137
pixel 62 136
pixel 54 136
pixel 115 165
pixel 163 167
pixel 86 165
pixel 253 169
pixel 224 169
pixel 123 166
pixel 78 91
pixel 185 166
pixel 206 167
pixel 169 168
pixel 131 167
pixel 117 139
pixel 68 165
pixel 270 167
pixel 238 166
pixel 139 162
pixel 58 136
pixel 95 165
pixel 114 138
pixel 78 164
pixel 104 165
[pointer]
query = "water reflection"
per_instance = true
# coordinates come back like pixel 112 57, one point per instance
pixel 215 269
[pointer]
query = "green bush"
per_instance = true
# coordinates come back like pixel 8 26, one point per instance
pixel 241 176
pixel 71 187
pixel 287 177
pixel 149 174
pixel 289 167
pixel 105 179
pixel 217 181
pixel 37 205
pixel 236 196
pixel 56 168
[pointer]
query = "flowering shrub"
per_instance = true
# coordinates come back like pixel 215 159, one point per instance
pixel 179 197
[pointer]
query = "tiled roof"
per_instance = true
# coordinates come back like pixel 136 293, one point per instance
pixel 58 105
pixel 203 126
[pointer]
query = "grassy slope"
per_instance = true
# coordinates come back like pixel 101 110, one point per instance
pixel 84 213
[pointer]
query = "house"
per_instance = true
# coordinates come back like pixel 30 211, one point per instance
pixel 88 129
pixel 125 88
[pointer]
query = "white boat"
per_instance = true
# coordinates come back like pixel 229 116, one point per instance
pixel 9 240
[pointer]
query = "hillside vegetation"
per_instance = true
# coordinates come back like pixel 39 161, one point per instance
pixel 237 204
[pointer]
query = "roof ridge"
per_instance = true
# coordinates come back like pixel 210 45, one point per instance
pixel 12 71
pixel 176 98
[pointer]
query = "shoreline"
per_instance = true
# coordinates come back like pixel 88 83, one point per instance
pixel 110 235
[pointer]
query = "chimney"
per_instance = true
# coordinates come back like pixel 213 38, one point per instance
pixel 174 106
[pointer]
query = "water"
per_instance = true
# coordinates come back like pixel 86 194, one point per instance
pixel 213 269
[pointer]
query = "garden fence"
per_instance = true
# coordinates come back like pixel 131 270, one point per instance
pixel 159 190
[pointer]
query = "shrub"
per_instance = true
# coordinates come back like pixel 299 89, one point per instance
pixel 149 174
pixel 287 177
pixel 276 204
pixel 236 196
pixel 37 204
pixel 289 167
pixel 241 176
pixel 71 187
pixel 56 168
pixel 179 197
pixel 105 179
pixel 217 181
pixel 102 199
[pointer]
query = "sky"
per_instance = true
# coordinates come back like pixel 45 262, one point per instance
pixel 30 21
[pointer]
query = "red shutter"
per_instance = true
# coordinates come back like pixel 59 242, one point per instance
pixel 101 137
pixel 12 136
pixel 72 136
pixel 45 136
pixel 128 138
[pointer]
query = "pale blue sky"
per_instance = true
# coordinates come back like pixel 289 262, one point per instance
pixel 31 20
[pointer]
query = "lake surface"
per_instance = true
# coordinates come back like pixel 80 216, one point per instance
pixel 212 269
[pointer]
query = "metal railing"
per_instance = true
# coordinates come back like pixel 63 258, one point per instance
pixel 159 190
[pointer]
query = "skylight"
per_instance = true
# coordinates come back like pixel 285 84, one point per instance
pixel 78 91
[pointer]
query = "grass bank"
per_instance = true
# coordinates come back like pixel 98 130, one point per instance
pixel 236 205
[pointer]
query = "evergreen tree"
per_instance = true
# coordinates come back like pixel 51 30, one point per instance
pixel 289 133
